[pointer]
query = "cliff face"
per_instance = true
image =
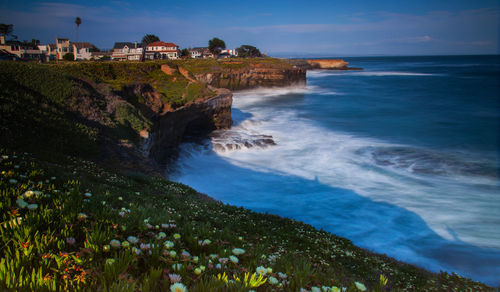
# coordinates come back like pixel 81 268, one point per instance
pixel 194 119
pixel 252 77
pixel 329 64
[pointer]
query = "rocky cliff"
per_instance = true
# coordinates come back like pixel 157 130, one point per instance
pixel 329 64
pixel 253 76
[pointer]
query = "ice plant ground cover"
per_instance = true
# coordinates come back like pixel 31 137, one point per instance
pixel 95 229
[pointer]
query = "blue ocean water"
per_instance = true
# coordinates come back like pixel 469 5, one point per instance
pixel 402 158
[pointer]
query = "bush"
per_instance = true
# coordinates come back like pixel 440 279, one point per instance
pixel 69 57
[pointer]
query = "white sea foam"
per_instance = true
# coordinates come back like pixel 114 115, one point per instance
pixel 409 214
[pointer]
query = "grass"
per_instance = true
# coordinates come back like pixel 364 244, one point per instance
pixel 73 225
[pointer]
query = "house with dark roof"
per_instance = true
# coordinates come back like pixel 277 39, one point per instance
pixel 82 50
pixel 123 51
pixel 162 50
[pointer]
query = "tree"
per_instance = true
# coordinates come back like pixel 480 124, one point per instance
pixel 215 45
pixel 78 21
pixel 94 49
pixel 149 38
pixel 185 53
pixel 7 29
pixel 69 57
pixel 247 51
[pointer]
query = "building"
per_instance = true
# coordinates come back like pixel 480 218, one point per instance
pixel 19 50
pixel 162 50
pixel 123 51
pixel 82 51
pixel 196 53
pixel 231 53
pixel 62 48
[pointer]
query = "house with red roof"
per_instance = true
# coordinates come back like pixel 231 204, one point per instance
pixel 162 50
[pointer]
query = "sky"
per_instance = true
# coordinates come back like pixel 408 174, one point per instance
pixel 278 28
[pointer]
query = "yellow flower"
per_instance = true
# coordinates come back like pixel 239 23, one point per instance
pixel 178 287
pixel 383 280
pixel 222 277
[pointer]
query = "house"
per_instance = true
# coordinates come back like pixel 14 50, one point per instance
pixel 50 51
pixel 123 51
pixel 197 52
pixel 82 51
pixel 162 50
pixel 101 56
pixel 231 53
pixel 19 50
pixel 62 48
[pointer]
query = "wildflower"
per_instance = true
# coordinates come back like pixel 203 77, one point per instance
pixel 335 289
pixel 70 240
pixel 195 259
pixel 53 178
pixel 82 216
pixel 315 289
pixel 28 194
pixel 223 260
pixel 133 239
pixel 282 275
pixel 115 243
pixel 173 254
pixel 177 267
pixel 238 251
pixel 218 266
pixel 177 236
pixel 144 246
pixel 175 278
pixel 240 238
pixel 360 286
pixel 110 261
pixel 106 248
pixel 186 254
pixel 121 214
pixel 213 256
pixel 88 195
pixel 120 198
pixel 21 203
pixel 168 244
pixel 32 206
pixel 273 280
pixel 136 250
pixel 149 226
pixel 233 259
pixel 261 270
pixel 126 244
pixel 161 235
pixel 13 181
pixel 269 271
pixel 197 271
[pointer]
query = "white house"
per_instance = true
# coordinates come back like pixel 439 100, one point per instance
pixel 162 50
pixel 127 51
pixel 82 51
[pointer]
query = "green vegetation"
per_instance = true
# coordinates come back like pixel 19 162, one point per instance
pixel 215 45
pixel 149 38
pixel 247 51
pixel 73 225
pixel 69 57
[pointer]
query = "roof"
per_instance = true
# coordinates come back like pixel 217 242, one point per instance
pixel 121 45
pixel 198 49
pixel 162 44
pixel 82 45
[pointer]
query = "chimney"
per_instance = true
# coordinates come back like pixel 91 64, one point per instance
pixel 2 39
pixel 135 45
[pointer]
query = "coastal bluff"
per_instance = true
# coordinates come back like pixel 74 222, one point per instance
pixel 327 64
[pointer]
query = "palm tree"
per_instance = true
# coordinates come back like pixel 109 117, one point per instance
pixel 78 21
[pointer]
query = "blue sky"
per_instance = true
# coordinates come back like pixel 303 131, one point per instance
pixel 279 28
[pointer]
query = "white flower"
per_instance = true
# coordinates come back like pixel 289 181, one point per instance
pixel 175 278
pixel 88 195
pixel 218 266
pixel 196 259
pixel 238 251
pixel 273 280
pixel 177 236
pixel 70 240
pixel 144 246
pixel 121 214
pixel 261 270
pixel 178 287
pixel 13 181
pixel 161 235
pixel 223 260
pixel 173 254
pixel 233 259
pixel 177 267
pixel 28 194
pixel 21 203
pixel 282 275
pixel 186 254
pixel 315 289
pixel 82 216
pixel 168 244
pixel 269 270
pixel 115 243
pixel 132 239
pixel 197 271
pixel 360 286
pixel 32 206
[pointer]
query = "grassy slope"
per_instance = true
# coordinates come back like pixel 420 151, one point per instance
pixel 36 245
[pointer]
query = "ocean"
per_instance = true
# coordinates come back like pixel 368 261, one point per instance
pixel 402 158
